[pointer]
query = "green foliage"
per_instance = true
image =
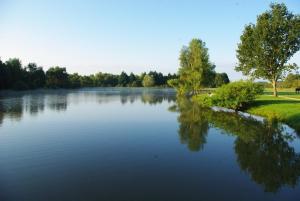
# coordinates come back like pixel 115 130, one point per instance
pixel 36 77
pixel 74 80
pixel 267 46
pixel 291 81
pixel 148 81
pixel 221 79
pixel 195 68
pixel 123 79
pixel 235 95
pixel 173 83
pixel 205 100
pixel 14 76
pixel 57 77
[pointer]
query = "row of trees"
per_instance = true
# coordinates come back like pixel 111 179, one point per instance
pixel 14 76
pixel 291 81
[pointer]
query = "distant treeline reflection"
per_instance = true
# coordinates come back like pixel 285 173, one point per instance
pixel 263 149
pixel 14 105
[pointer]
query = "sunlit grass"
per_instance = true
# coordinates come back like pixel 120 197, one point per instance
pixel 281 108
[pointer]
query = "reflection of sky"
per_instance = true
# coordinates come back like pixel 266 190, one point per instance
pixel 101 104
pixel 85 141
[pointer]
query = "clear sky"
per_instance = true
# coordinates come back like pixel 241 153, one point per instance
pixel 116 35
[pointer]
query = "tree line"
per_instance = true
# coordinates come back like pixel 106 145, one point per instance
pixel 17 77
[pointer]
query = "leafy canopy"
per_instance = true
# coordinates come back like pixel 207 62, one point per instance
pixel 267 46
pixel 195 68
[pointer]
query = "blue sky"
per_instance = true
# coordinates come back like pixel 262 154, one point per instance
pixel 134 36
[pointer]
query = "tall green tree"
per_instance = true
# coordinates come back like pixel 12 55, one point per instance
pixel 267 46
pixel 195 67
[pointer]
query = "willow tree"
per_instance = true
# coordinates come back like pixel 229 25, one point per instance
pixel 195 68
pixel 268 45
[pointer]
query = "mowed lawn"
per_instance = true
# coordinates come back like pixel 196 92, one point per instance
pixel 286 108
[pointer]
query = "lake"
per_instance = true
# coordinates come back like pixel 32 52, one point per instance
pixel 116 144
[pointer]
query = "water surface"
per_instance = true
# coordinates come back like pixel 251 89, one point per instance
pixel 139 144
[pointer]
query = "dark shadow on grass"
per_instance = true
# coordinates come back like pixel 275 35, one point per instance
pixel 272 102
pixel 281 93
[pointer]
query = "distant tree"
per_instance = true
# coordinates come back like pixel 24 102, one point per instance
pixel 36 76
pixel 221 79
pixel 74 80
pixel 2 75
pixel 266 47
pixel 148 81
pixel 134 80
pixel 16 75
pixel 194 67
pixel 291 80
pixel 87 81
pixel 123 79
pixel 57 77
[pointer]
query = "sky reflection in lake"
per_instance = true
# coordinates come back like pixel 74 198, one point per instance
pixel 139 144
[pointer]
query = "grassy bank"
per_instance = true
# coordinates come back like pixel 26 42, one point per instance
pixel 285 108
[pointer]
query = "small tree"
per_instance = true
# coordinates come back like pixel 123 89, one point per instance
pixel 195 67
pixel 266 47
pixel 148 81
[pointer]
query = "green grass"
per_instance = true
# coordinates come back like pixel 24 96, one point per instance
pixel 281 108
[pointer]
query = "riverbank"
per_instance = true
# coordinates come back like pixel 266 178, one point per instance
pixel 284 108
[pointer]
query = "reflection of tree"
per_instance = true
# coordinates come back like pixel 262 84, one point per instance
pixel 193 124
pixel 58 102
pixel 262 148
pixel 11 108
pixel 151 97
pixel 269 160
pixel 34 104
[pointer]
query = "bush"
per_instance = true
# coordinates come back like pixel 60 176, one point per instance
pixel 204 100
pixel 237 95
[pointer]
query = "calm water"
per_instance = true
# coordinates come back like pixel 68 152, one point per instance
pixel 139 144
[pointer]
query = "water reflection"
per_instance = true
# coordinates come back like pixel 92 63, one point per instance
pixel 263 149
pixel 193 123
pixel 14 104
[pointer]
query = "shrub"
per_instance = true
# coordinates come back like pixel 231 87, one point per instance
pixel 204 100
pixel 236 95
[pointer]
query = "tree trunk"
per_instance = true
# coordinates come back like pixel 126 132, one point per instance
pixel 274 88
